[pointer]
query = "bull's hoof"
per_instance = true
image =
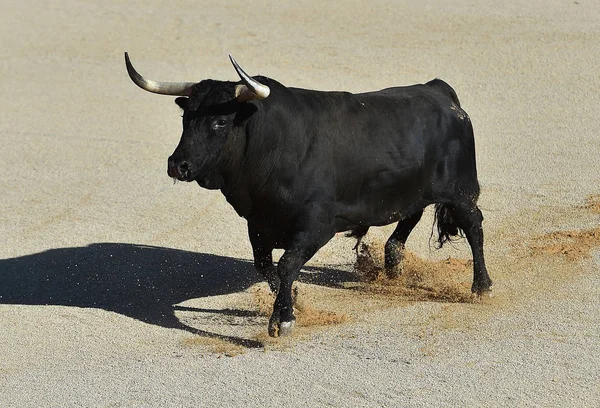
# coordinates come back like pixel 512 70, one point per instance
pixel 281 322
pixel 393 272
pixel 285 328
pixel 481 289
pixel 280 329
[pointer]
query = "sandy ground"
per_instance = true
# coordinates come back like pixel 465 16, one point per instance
pixel 120 289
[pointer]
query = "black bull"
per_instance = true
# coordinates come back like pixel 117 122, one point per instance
pixel 301 165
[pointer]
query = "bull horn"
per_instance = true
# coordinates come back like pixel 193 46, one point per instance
pixel 251 89
pixel 162 88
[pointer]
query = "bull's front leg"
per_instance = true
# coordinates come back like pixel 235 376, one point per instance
pixel 303 247
pixel 262 247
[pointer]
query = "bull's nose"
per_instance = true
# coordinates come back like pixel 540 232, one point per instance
pixel 178 169
pixel 183 168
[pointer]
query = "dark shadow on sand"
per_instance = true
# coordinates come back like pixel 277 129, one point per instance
pixel 142 282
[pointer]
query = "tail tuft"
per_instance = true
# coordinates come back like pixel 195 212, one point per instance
pixel 446 225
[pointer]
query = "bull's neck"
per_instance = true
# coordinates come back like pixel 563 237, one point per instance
pixel 251 158
pixel 232 168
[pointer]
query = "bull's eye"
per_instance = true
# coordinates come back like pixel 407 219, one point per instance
pixel 219 124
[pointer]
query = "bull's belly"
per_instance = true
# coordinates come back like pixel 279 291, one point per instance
pixel 385 198
pixel 376 213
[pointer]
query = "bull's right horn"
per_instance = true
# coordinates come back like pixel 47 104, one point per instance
pixel 162 88
pixel 251 88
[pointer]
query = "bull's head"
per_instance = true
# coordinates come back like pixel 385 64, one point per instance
pixel 211 111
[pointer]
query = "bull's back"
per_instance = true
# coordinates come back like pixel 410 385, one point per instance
pixel 382 151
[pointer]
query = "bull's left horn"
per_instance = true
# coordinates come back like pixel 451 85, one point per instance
pixel 162 88
pixel 252 89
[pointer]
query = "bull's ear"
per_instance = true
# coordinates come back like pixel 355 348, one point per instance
pixel 182 102
pixel 244 113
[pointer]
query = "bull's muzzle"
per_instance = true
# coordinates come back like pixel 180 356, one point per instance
pixel 179 169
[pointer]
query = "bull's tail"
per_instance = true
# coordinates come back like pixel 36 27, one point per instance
pixel 446 225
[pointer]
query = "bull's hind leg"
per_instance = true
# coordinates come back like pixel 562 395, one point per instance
pixel 469 219
pixel 394 247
